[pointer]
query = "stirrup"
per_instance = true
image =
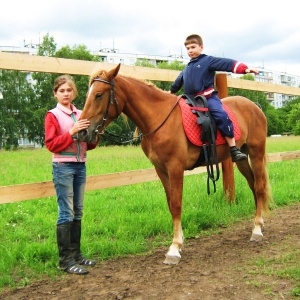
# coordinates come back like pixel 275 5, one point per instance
pixel 87 262
pixel 76 269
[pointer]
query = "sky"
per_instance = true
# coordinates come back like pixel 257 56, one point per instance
pixel 260 33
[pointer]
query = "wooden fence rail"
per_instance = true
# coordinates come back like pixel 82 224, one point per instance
pixel 31 191
pixel 24 62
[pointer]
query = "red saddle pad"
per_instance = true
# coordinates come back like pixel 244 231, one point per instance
pixel 193 130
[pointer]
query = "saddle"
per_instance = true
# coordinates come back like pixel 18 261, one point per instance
pixel 199 107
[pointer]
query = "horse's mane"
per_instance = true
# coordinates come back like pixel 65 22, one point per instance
pixel 103 74
pixel 97 74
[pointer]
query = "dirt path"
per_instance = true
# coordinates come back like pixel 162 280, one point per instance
pixel 222 266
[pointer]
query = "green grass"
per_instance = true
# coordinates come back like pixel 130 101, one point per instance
pixel 284 265
pixel 123 220
pixel 283 143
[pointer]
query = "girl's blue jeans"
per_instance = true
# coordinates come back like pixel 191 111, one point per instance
pixel 69 181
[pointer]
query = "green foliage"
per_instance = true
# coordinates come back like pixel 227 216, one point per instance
pixel 294 119
pixel 175 65
pixel 47 47
pixel 275 123
pixel 284 115
pixel 141 62
pixel 16 94
pixel 79 52
pixel 44 99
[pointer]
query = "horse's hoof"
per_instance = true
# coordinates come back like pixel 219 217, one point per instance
pixel 171 260
pixel 256 237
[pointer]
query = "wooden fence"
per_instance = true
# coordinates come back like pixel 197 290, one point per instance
pixel 31 191
pixel 23 62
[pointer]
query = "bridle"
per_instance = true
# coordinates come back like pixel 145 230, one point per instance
pixel 112 99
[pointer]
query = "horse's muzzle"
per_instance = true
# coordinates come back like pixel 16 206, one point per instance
pixel 85 136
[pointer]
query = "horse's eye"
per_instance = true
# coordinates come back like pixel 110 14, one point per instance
pixel 99 96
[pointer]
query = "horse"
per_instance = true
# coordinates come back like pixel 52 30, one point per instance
pixel 158 117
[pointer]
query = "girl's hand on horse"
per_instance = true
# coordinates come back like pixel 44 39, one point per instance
pixel 79 125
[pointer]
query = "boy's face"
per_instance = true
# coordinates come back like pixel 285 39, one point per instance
pixel 193 50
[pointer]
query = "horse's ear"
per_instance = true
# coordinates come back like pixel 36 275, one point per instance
pixel 116 71
pixel 113 72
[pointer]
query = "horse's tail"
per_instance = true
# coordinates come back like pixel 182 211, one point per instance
pixel 269 202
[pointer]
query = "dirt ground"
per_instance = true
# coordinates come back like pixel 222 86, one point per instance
pixel 221 266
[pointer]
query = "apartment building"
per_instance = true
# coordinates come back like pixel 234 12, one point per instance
pixel 281 78
pixel 114 56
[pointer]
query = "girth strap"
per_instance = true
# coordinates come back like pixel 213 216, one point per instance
pixel 208 137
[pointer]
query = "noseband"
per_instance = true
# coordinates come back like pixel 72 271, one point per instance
pixel 112 99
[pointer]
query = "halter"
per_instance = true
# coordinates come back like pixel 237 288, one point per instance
pixel 112 99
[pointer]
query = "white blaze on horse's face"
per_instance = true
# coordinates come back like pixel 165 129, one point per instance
pixel 95 103
pixel 90 90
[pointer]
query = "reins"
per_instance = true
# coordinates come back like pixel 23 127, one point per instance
pixel 163 122
pixel 143 135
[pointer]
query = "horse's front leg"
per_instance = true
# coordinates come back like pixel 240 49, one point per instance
pixel 173 255
pixel 173 185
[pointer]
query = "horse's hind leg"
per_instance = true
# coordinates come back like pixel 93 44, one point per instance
pixel 258 181
pixel 246 171
pixel 262 194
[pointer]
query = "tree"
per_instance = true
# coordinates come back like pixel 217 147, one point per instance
pixel 275 124
pixel 43 99
pixel 175 65
pixel 294 119
pixel 47 47
pixel 79 52
pixel 284 114
pixel 15 94
pixel 39 104
pixel 23 102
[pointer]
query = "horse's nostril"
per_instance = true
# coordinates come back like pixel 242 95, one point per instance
pixel 84 132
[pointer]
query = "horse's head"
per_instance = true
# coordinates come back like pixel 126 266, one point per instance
pixel 98 109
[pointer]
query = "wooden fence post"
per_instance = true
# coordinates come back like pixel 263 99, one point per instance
pixel 227 165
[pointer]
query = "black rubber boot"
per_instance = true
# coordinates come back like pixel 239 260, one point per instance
pixel 75 245
pixel 236 154
pixel 66 261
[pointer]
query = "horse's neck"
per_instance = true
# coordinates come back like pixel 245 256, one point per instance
pixel 144 105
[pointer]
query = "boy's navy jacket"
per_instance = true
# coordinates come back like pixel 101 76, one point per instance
pixel 198 75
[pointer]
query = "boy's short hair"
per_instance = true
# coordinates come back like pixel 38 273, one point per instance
pixel 193 39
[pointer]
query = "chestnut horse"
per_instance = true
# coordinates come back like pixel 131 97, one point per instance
pixel 158 116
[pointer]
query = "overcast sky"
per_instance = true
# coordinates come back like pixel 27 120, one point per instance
pixel 259 33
